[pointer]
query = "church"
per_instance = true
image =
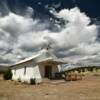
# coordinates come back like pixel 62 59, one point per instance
pixel 43 64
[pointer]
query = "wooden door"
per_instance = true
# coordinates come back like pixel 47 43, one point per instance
pixel 48 71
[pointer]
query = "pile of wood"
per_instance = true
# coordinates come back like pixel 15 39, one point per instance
pixel 73 76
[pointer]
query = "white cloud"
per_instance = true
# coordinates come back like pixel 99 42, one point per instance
pixel 23 35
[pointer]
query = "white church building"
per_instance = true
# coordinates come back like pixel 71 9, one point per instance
pixel 43 64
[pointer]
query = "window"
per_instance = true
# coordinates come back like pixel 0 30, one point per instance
pixel 24 70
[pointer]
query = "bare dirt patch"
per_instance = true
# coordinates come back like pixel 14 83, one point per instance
pixel 86 89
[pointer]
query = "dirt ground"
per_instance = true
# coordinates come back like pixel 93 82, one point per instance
pixel 86 89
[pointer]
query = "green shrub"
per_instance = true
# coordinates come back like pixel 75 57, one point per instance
pixel 7 75
pixel 32 81
pixel 19 79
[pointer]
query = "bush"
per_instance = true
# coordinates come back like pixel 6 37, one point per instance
pixel 19 79
pixel 7 75
pixel 32 81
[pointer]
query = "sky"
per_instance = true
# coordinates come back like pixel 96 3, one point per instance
pixel 70 27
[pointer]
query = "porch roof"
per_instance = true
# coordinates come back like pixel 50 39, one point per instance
pixel 52 61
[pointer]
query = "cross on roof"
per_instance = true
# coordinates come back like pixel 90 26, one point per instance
pixel 48 46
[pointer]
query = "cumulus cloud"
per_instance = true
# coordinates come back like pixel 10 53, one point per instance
pixel 21 35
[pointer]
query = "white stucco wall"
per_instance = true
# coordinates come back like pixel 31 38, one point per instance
pixel 32 71
pixel 42 71
pixel 59 68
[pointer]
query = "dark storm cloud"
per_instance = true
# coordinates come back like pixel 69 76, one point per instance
pixel 90 7
pixel 4 10
pixel 4 61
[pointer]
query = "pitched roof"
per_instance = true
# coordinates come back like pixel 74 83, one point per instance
pixel 41 56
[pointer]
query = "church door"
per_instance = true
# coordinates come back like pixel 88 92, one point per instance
pixel 48 71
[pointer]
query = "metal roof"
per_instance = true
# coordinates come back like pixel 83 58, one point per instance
pixel 68 67
pixel 40 56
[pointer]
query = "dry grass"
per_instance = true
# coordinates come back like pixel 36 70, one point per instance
pixel 86 89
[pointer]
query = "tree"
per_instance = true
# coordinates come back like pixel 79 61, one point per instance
pixel 7 75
